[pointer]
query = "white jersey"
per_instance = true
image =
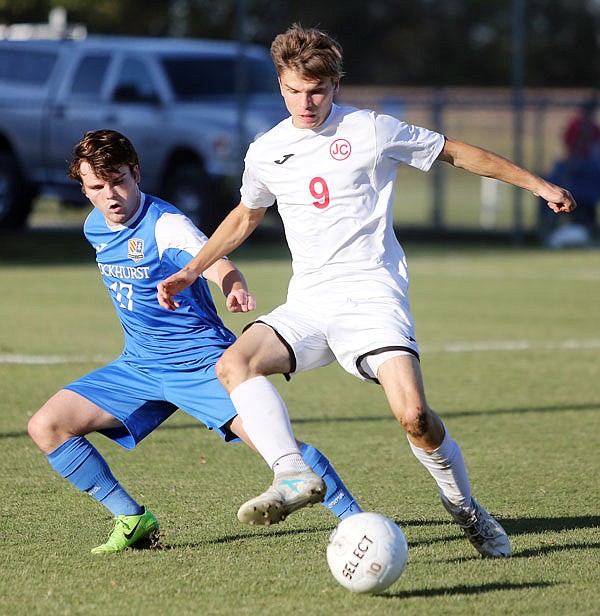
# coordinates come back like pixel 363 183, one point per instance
pixel 334 188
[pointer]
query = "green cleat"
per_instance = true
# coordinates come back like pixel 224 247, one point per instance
pixel 131 530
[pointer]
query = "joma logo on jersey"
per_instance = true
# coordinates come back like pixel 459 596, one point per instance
pixel 340 149
pixel 135 249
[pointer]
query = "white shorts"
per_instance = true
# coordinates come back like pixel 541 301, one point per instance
pixel 350 331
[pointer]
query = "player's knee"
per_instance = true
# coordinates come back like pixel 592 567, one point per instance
pixel 230 369
pixel 416 420
pixel 47 430
pixel 38 428
pixel 221 369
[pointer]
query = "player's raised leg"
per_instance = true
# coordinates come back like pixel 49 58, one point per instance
pixel 295 484
pixel 242 370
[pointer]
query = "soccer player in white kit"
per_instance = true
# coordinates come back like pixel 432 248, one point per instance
pixel 332 171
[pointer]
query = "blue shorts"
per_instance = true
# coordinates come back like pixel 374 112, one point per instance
pixel 143 395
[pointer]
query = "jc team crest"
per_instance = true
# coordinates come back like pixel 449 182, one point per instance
pixel 340 149
pixel 135 249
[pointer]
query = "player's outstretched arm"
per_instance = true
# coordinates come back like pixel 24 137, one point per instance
pixel 233 285
pixel 236 227
pixel 483 162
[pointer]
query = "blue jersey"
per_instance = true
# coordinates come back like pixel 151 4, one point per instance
pixel 132 259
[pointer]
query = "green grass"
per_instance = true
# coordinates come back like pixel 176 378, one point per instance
pixel 526 418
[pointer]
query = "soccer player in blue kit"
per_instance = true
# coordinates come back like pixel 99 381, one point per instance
pixel 332 170
pixel 168 361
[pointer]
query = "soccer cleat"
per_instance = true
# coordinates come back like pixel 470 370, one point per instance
pixel 289 492
pixel 131 530
pixel 481 529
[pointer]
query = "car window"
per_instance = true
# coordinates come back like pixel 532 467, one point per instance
pixel 134 83
pixel 26 66
pixel 89 76
pixel 193 78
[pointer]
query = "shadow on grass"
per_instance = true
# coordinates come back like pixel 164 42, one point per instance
pixel 267 532
pixel 47 247
pixel 67 244
pixel 387 417
pixel 523 526
pixel 463 589
pixel 592 406
pixel 16 434
pixel 526 526
pixel 44 247
pixel 516 527
pixel 584 406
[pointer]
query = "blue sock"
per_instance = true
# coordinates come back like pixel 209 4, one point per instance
pixel 80 462
pixel 338 499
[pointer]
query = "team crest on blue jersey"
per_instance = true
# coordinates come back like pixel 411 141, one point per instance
pixel 135 249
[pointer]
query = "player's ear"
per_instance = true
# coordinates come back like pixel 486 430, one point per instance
pixel 336 86
pixel 136 174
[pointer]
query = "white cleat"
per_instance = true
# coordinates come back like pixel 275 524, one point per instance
pixel 481 529
pixel 287 493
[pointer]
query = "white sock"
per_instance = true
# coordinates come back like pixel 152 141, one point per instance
pixel 267 423
pixel 291 463
pixel 446 465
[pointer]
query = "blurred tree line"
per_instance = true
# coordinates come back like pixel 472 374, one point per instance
pixel 386 42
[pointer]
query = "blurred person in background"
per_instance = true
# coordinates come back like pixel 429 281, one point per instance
pixel 579 171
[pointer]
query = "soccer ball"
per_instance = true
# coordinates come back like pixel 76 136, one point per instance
pixel 367 553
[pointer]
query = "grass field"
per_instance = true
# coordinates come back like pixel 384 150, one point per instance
pixel 510 345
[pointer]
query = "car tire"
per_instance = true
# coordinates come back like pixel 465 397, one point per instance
pixel 189 188
pixel 16 195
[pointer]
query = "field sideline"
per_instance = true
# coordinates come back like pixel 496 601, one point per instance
pixel 490 346
pixel 510 341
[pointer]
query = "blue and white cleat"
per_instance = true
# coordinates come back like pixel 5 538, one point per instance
pixel 289 492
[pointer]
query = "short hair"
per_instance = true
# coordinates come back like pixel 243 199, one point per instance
pixel 311 52
pixel 105 151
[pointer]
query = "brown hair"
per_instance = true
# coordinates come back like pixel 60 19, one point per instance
pixel 106 151
pixel 311 52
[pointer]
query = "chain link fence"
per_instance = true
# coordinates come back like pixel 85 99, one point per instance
pixel 525 127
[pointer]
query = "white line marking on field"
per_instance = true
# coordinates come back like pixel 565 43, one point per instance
pixel 17 358
pixel 450 347
pixel 508 345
